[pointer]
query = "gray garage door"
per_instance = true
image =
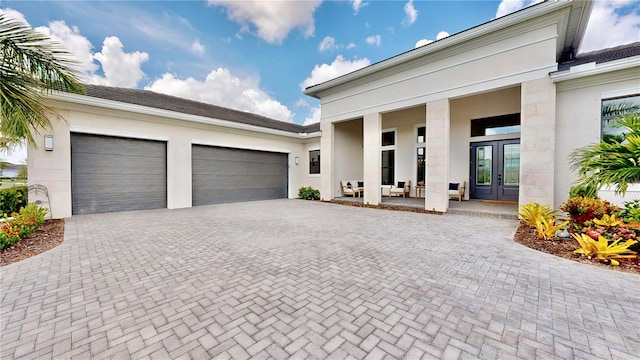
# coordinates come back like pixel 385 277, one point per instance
pixel 222 175
pixel 117 174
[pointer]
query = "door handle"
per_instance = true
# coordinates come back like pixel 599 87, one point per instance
pixel 499 179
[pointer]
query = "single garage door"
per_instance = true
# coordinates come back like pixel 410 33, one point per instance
pixel 117 174
pixel 222 175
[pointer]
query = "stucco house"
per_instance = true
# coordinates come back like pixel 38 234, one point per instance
pixel 499 107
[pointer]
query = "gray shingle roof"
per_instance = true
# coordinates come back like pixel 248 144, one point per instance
pixel 173 103
pixel 602 56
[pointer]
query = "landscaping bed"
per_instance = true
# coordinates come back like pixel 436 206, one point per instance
pixel 564 247
pixel 47 237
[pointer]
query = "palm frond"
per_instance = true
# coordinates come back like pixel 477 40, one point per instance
pixel 31 67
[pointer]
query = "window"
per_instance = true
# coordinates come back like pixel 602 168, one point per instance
pixel 388 157
pixel 497 125
pixel 314 162
pixel 421 153
pixel 613 108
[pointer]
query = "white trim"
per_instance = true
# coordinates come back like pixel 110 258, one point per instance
pixel 482 30
pixel 235 145
pixel 603 68
pixel 151 111
pixel 607 95
pixel 424 97
pixel 116 133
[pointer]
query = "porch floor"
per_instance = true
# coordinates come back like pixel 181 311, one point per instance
pixel 477 208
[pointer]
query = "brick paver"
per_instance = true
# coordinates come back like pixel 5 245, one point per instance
pixel 296 279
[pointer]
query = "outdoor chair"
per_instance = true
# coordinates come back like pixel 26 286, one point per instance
pixel 348 189
pixel 402 188
pixel 456 190
pixel 419 189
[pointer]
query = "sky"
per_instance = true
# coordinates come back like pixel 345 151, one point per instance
pixel 258 56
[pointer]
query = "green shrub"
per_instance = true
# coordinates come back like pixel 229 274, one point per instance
pixel 631 211
pixel 28 220
pixel 12 199
pixel 584 191
pixel 308 193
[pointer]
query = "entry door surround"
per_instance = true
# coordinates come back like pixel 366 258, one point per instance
pixel 495 170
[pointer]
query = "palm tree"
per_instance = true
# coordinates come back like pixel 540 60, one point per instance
pixel 32 66
pixel 614 162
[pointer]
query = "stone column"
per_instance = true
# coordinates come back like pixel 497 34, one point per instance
pixel 326 161
pixel 372 157
pixel 179 172
pixel 438 129
pixel 537 141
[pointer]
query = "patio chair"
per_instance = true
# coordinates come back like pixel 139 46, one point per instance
pixel 402 188
pixel 348 189
pixel 456 190
pixel 419 189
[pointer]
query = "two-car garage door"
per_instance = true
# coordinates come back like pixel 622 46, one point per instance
pixel 121 174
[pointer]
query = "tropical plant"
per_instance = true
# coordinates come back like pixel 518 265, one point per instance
pixel 608 221
pixel 631 211
pixel 533 212
pixel 547 228
pixel 603 250
pixel 31 67
pixel 582 210
pixel 308 193
pixel 612 162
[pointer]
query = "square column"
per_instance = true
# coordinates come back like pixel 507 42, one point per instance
pixel 438 143
pixel 372 157
pixel 326 161
pixel 537 141
pixel 179 173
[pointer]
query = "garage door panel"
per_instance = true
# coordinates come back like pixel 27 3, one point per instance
pixel 223 175
pixel 117 174
pixel 109 163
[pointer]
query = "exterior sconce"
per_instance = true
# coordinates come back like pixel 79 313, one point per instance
pixel 48 142
pixel 297 160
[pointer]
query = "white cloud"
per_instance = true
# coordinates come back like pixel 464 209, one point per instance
pixel 74 42
pixel 120 69
pixel 442 35
pixel 374 40
pixel 506 7
pixel 272 19
pixel 351 45
pixel 609 27
pixel 327 44
pixel 197 47
pixel 314 116
pixel 357 4
pixel 224 89
pixel 423 42
pixel 14 14
pixel 411 12
pixel 338 67
pixel 302 103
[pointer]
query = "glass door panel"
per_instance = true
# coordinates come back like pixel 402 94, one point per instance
pixel 484 164
pixel 511 166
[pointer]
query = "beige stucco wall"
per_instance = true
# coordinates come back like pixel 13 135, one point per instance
pixel 500 60
pixel 53 168
pixel 463 110
pixel 578 121
pixel 348 153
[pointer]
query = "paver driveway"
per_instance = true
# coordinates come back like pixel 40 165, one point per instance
pixel 289 278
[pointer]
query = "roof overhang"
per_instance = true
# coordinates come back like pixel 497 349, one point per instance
pixel 147 110
pixel 569 39
pixel 592 68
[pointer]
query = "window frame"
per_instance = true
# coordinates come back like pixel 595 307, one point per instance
pixel 388 148
pixel 311 174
